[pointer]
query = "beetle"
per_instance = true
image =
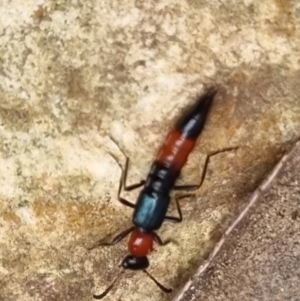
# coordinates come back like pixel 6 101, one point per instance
pixel 150 210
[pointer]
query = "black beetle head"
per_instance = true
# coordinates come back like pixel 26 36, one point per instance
pixel 135 263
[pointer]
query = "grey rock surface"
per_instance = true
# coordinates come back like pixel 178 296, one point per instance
pixel 260 259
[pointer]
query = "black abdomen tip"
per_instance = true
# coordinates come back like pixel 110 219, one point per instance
pixel 191 123
pixel 204 101
pixel 209 95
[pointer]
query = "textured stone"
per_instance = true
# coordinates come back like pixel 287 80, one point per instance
pixel 76 76
pixel 260 258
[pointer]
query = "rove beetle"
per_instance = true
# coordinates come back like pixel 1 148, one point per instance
pixel 153 201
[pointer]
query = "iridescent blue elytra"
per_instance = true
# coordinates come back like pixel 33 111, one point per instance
pixel 150 212
pixel 153 201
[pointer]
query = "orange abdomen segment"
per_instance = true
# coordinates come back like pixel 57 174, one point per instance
pixel 175 150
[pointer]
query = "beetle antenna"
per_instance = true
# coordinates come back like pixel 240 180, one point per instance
pixel 102 295
pixel 163 288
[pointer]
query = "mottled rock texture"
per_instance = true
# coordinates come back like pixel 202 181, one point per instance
pixel 260 259
pixel 75 76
